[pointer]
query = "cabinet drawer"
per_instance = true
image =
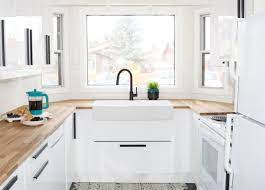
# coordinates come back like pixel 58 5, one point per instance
pixel 132 157
pixel 16 181
pixel 37 158
pixel 39 179
pixel 57 135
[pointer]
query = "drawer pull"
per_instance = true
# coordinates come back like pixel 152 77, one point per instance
pixel 132 145
pixel 11 183
pixel 58 140
pixel 41 170
pixel 40 151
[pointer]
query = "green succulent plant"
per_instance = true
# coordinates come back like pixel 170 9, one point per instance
pixel 153 85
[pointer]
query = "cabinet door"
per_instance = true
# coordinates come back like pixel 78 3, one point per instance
pixel 16 181
pixel 69 138
pixel 259 6
pixel 226 8
pixel 35 25
pixel 10 41
pixel 7 8
pixel 57 159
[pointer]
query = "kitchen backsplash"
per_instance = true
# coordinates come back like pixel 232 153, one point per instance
pixel 13 92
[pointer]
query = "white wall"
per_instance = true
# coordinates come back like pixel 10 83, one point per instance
pixel 13 92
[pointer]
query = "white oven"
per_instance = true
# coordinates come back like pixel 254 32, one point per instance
pixel 212 173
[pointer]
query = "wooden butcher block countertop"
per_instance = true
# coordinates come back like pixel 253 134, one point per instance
pixel 18 142
pixel 198 106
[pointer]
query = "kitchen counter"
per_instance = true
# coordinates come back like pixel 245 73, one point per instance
pixel 198 106
pixel 18 142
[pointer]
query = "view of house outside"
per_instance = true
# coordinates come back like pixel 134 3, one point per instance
pixel 143 44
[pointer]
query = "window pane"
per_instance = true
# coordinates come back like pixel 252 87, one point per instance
pixel 143 44
pixel 212 75
pixel 57 32
pixel 53 74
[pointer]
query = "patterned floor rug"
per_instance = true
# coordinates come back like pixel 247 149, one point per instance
pixel 132 186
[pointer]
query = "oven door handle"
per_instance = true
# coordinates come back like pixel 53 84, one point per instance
pixel 228 145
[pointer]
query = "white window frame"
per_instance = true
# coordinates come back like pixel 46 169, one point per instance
pixel 199 91
pixel 203 50
pixel 122 90
pixel 65 76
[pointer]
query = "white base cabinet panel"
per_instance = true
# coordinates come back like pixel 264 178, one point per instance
pixel 69 150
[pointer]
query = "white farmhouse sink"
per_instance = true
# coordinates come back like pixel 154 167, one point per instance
pixel 136 110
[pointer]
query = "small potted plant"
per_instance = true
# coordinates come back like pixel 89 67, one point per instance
pixel 153 90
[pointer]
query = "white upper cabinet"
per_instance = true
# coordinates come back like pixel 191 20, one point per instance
pixel 226 7
pixel 29 40
pixel 259 6
pixel 7 38
pixel 7 8
pixel 254 7
pixel 22 41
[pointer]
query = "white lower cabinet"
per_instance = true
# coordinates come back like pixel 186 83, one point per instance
pixel 157 151
pixel 50 166
pixel 16 181
pixel 83 149
pixel 57 160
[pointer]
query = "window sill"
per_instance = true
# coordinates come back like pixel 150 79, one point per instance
pixel 124 88
pixel 8 74
pixel 55 89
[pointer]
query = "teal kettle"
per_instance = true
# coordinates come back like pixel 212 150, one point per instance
pixel 36 105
